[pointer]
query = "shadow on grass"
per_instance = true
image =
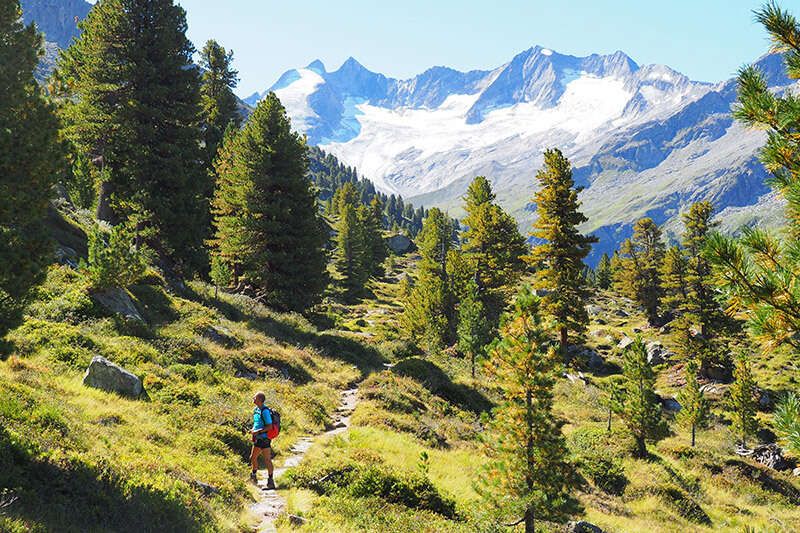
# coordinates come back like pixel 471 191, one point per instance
pixel 439 383
pixel 71 496
pixel 764 479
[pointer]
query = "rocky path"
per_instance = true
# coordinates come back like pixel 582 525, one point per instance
pixel 271 503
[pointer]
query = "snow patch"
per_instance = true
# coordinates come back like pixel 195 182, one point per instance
pixel 294 97
pixel 547 52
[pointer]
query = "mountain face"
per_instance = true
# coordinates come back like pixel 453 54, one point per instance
pixel 57 19
pixel 644 140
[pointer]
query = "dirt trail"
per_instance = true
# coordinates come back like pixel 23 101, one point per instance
pixel 271 503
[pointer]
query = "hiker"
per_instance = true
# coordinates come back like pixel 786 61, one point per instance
pixel 262 423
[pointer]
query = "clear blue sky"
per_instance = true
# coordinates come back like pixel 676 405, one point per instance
pixel 705 39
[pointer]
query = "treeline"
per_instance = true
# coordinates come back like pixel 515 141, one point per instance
pixel 330 175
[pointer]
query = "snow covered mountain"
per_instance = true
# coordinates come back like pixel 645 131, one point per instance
pixel 644 140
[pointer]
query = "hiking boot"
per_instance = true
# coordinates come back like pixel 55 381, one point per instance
pixel 254 477
pixel 271 483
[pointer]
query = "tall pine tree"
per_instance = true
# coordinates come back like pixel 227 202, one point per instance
pixel 603 274
pixel 220 108
pixel 266 217
pixel 641 409
pixel 638 275
pixel 351 252
pixel 30 160
pixel 527 477
pixel 742 401
pixel 558 256
pixel 694 406
pixel 132 104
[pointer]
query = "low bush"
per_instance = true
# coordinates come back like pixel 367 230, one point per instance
pixel 597 454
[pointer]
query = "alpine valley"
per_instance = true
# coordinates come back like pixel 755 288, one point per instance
pixel 644 140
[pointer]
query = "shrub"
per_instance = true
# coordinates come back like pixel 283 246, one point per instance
pixel 597 455
pixel 114 260
pixel 63 342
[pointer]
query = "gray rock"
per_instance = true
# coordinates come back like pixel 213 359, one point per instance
pixel 621 314
pixel 596 361
pixel 206 489
pixel 796 472
pixel 770 455
pixel 118 301
pixel 67 256
pixel 657 354
pixel 624 343
pixel 765 400
pixel 222 335
pixel 399 244
pixel 637 330
pixel 578 378
pixel 594 309
pixel 670 404
pixel 582 526
pixel 105 375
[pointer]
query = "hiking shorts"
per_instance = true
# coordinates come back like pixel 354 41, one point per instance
pixel 262 443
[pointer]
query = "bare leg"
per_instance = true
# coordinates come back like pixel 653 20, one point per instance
pixel 254 458
pixel 267 453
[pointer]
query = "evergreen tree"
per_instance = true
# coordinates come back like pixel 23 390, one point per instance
pixel 30 161
pixel 527 477
pixel 492 245
pixel 429 314
pixel 220 108
pixel 760 273
pixel 694 406
pixel 473 331
pixel 351 252
pixel 562 248
pixel 641 409
pixel 613 398
pixel 371 218
pixel 742 401
pixel 787 422
pixel 133 102
pixel 603 274
pixel 267 223
pixel 701 303
pixel 638 273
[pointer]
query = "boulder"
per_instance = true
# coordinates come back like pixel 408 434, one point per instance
pixel 670 404
pixel 624 343
pixel 594 309
pixel 120 302
pixel 582 526
pixel 596 361
pixel 619 313
pixel 105 375
pixel 796 472
pixel 656 353
pixel 399 244
pixel 770 455
pixel 764 400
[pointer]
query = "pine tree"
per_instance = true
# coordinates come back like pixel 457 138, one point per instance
pixel 492 245
pixel 760 273
pixel 701 303
pixel 267 222
pixel 742 401
pixel 220 108
pixel 562 248
pixel 613 398
pixel 429 315
pixel 641 409
pixel 787 421
pixel 351 252
pixel 30 160
pixel 603 274
pixel 694 406
pixel 133 103
pixel 371 218
pixel 473 328
pixel 674 274
pixel 638 273
pixel 527 477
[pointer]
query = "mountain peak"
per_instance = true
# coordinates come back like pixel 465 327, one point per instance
pixel 317 66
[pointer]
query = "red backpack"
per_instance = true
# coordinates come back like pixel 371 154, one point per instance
pixel 275 430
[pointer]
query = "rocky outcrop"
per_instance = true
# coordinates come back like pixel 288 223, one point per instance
pixel 120 302
pixel 582 526
pixel 657 354
pixel 105 375
pixel 399 244
pixel 222 336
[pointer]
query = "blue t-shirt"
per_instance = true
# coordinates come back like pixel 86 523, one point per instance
pixel 261 419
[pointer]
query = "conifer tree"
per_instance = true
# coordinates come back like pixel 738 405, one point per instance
pixel 641 409
pixel 267 222
pixel 429 314
pixel 760 273
pixel 351 252
pixel 603 274
pixel 694 406
pixel 787 421
pixel 701 303
pixel 742 401
pixel 638 273
pixel 133 103
pixel 562 248
pixel 491 244
pixel 220 108
pixel 473 328
pixel 371 218
pixel 30 160
pixel 527 477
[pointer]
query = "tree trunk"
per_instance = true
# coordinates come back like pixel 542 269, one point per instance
pixel 529 521
pixel 472 357
pixel 104 210
pixel 641 448
pixel 608 428
pixel 693 434
pixel 564 339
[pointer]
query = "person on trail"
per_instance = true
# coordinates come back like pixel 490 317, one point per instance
pixel 262 423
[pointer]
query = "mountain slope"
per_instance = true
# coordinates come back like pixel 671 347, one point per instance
pixel 644 140
pixel 57 19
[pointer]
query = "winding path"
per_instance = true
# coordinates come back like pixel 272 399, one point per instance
pixel 271 503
